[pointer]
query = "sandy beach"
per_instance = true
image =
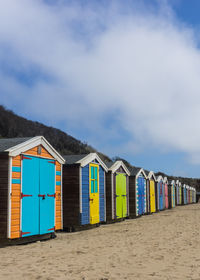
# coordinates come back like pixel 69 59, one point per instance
pixel 165 245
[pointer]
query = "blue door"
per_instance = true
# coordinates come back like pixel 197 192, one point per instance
pixel 141 196
pixel 38 196
pixel 47 196
pixel 29 197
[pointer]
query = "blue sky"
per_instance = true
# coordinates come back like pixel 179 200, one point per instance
pixel 122 76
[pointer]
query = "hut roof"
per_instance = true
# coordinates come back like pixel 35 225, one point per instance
pixel 71 159
pixel 159 178
pixel 114 166
pixel 84 160
pixel 134 171
pixel 17 146
pixel 7 143
pixel 109 163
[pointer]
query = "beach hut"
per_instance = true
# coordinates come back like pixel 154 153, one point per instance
pixel 30 189
pixel 165 182
pixel 180 193
pixel 193 195
pixel 184 194
pixel 171 194
pixel 147 193
pixel 152 191
pixel 187 193
pixel 84 201
pixel 190 194
pixel 117 191
pixel 160 193
pixel 177 192
pixel 137 192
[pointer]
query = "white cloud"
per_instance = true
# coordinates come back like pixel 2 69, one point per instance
pixel 145 66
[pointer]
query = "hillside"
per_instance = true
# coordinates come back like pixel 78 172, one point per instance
pixel 12 125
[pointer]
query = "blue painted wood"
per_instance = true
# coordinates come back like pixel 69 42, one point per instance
pixel 16 169
pixel 38 214
pixel 101 194
pixel 30 205
pixel 16 181
pixel 47 204
pixel 58 173
pixel 58 183
pixel 141 195
pixel 161 193
pixel 85 215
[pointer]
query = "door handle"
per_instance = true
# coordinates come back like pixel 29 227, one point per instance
pixel 91 199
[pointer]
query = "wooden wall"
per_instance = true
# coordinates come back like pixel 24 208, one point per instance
pixel 15 198
pixel 3 194
pixel 132 198
pixel 109 196
pixel 71 199
pixel 58 214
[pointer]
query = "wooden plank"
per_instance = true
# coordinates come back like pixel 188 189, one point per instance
pixel 15 222
pixel 15 235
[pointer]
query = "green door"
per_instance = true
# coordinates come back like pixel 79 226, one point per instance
pixel 121 196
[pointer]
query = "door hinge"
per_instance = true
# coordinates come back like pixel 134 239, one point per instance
pixel 25 195
pixel 24 233
pixel 25 157
pixel 52 195
pixel 53 228
pixel 53 162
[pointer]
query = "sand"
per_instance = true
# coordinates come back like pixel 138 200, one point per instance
pixel 164 245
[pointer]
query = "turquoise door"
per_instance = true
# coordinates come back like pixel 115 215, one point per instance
pixel 38 196
pixel 29 197
pixel 47 196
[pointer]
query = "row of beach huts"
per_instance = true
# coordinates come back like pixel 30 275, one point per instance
pixel 42 192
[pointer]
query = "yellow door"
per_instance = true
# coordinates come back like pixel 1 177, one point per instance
pixel 152 197
pixel 94 193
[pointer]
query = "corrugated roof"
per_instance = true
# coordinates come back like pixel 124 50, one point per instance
pixel 134 170
pixel 6 143
pixel 71 159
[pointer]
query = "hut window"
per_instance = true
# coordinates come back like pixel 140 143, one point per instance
pixel 94 179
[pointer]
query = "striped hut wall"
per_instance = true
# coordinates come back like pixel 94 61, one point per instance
pixel 58 214
pixel 15 197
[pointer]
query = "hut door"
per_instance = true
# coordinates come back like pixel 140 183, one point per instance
pixel 29 197
pixel 94 194
pixel 47 195
pixel 38 195
pixel 166 196
pixel 160 196
pixel 121 198
pixel 141 196
pixel 152 197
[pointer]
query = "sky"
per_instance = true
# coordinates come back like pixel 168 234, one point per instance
pixel 121 75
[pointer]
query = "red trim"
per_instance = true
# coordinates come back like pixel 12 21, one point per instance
pixel 25 157
pixel 25 195
pixel 24 233
pixel 53 162
pixel 52 195
pixel 53 228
